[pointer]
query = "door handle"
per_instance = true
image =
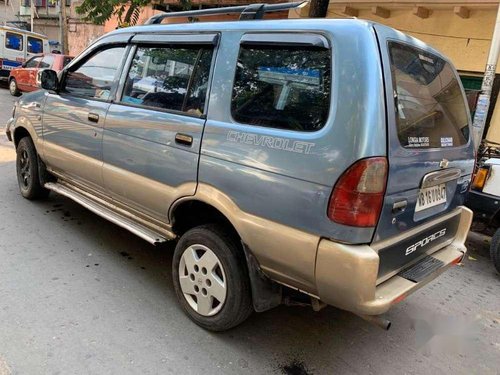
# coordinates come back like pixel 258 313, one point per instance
pixel 183 139
pixel 399 206
pixel 93 117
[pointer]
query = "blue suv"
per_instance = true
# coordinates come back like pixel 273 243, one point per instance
pixel 331 157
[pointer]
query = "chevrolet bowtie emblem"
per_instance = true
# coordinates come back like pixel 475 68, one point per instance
pixel 443 163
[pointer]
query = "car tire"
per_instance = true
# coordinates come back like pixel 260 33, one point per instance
pixel 13 89
pixel 211 279
pixel 27 171
pixel 495 250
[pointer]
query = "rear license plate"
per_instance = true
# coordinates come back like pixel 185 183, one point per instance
pixel 430 197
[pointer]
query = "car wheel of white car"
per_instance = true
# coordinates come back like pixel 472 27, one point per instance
pixel 495 250
pixel 210 278
pixel 14 90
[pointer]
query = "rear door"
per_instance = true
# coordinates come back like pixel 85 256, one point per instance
pixel 34 46
pixel 153 131
pixel 429 147
pixel 14 50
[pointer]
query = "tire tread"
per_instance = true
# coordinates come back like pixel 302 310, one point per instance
pixel 495 250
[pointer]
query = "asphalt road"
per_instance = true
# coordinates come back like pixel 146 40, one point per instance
pixel 79 295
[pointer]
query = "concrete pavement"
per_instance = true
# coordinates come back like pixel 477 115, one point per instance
pixel 79 295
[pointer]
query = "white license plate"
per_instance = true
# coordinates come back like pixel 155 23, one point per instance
pixel 430 197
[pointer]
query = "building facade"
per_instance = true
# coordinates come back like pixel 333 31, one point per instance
pixel 9 13
pixel 461 30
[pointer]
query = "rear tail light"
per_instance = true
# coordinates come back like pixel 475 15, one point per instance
pixel 358 195
pixel 480 178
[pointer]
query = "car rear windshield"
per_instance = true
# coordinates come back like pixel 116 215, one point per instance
pixel 282 87
pixel 430 107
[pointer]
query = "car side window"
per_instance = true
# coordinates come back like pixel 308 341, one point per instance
pixel 47 62
pixel 14 41
pixel 170 78
pixel 283 87
pixel 35 45
pixel 95 77
pixel 33 62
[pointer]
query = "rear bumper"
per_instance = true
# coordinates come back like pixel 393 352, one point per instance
pixel 346 275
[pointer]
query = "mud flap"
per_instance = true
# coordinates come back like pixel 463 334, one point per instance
pixel 266 294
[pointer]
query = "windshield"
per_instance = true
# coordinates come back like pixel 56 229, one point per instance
pixel 430 107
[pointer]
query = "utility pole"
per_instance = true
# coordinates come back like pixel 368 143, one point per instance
pixel 32 14
pixel 483 102
pixel 63 27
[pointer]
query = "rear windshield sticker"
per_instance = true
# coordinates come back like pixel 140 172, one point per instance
pixel 418 142
pixel 446 141
pixel 425 58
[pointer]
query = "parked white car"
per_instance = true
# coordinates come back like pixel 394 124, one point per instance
pixel 484 200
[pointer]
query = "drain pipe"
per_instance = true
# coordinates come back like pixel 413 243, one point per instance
pixel 483 102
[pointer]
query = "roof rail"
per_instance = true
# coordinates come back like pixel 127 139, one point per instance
pixel 247 12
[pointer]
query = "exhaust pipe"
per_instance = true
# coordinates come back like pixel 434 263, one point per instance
pixel 377 320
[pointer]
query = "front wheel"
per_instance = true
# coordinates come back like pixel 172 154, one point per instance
pixel 13 89
pixel 27 170
pixel 495 250
pixel 210 278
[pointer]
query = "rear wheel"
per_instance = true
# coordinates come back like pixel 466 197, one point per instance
pixel 210 278
pixel 14 90
pixel 27 171
pixel 495 250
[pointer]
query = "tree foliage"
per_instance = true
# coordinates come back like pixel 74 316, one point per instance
pixel 126 11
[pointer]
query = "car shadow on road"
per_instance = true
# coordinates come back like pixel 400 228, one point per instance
pixel 293 332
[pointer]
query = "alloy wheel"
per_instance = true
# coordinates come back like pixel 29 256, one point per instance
pixel 13 87
pixel 24 169
pixel 202 280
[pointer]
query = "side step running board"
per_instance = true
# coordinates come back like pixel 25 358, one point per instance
pixel 107 213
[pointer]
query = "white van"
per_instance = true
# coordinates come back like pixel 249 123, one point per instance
pixel 18 45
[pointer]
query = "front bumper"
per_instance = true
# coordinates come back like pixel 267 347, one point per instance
pixel 8 131
pixel 347 275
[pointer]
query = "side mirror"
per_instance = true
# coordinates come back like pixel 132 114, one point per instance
pixel 49 80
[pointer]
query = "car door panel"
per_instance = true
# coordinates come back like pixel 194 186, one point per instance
pixel 72 143
pixel 24 75
pixel 74 119
pixel 152 136
pixel 143 165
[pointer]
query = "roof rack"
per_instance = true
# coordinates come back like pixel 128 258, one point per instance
pixel 247 12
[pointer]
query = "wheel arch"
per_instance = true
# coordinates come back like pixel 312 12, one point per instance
pixel 19 133
pixel 189 212
pixel 495 220
pixel 192 212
